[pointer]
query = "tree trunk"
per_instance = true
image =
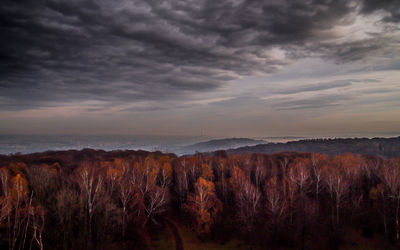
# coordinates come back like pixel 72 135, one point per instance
pixel 123 222
pixel 384 216
pixel 317 193
pixel 332 213
pixel 337 213
pixel 397 218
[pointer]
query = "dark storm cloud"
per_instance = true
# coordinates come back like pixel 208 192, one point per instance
pixel 390 6
pixel 52 52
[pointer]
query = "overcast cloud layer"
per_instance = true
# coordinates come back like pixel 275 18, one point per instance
pixel 246 67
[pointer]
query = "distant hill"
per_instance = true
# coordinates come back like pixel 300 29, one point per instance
pixel 218 144
pixel 384 147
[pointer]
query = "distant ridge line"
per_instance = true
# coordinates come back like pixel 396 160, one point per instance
pixel 378 146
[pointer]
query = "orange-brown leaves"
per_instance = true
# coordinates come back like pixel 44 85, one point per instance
pixel 165 174
pixel 206 172
pixel 19 187
pixel 4 178
pixel 204 205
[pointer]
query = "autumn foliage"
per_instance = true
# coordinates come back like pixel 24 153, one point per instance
pixel 88 199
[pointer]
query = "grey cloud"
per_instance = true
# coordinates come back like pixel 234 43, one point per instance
pixel 240 101
pixel 377 46
pixel 337 84
pixel 122 51
pixel 315 102
pixel 315 87
pixel 379 91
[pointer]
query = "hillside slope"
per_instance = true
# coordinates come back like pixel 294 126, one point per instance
pixel 218 144
pixel 384 147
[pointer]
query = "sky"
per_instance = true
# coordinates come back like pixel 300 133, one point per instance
pixel 188 67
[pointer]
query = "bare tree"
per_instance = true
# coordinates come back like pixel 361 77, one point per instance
pixel 299 174
pixel 153 181
pixel 317 162
pixel 390 174
pixel 259 172
pixel 65 206
pixel 181 179
pixel 43 181
pixel 275 204
pixel 126 192
pixel 338 186
pixel 90 184
pixel 38 222
pixel 156 201
pixel 247 197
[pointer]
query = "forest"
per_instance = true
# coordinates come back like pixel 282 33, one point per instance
pixel 93 199
pixel 383 147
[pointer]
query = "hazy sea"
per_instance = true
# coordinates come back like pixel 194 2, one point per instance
pixel 24 144
pixel 11 144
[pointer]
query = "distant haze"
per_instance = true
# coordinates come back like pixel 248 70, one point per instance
pixel 230 68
